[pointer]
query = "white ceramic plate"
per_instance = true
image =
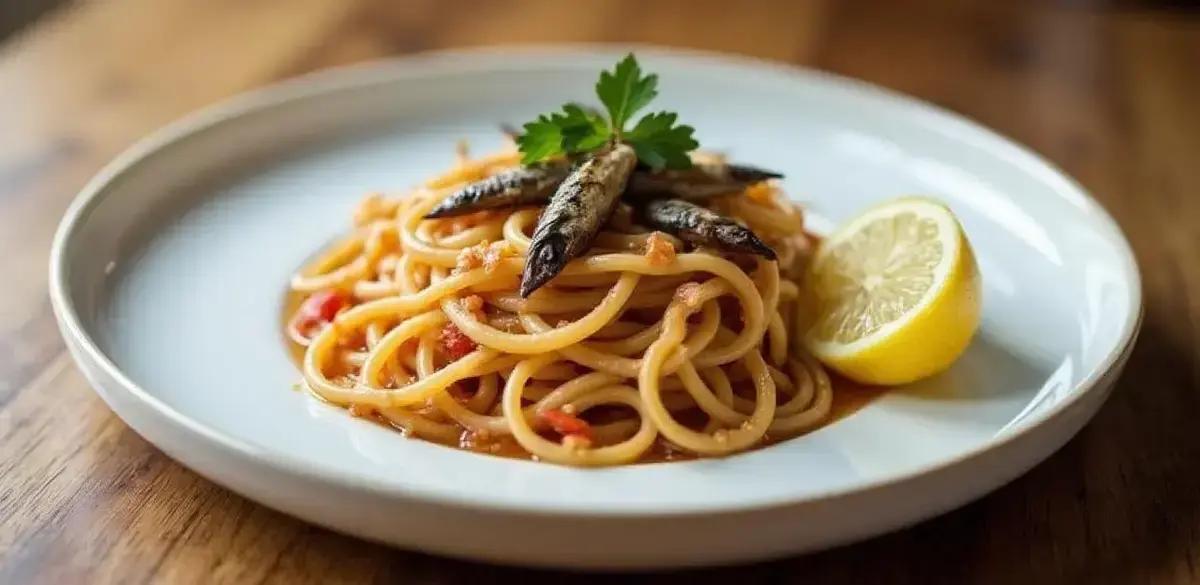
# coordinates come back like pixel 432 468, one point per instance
pixel 168 272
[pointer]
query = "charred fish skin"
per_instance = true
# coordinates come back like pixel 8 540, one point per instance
pixel 520 186
pixel 702 181
pixel 575 214
pixel 703 226
pixel 750 175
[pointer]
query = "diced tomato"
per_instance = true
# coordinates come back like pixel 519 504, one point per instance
pixel 322 306
pixel 455 343
pixel 567 424
pixel 318 309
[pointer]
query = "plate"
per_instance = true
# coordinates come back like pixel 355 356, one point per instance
pixel 168 272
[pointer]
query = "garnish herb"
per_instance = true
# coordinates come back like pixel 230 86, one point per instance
pixel 656 138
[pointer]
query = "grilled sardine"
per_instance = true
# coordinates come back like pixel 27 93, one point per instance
pixel 531 185
pixel 575 214
pixel 535 185
pixel 701 225
pixel 702 181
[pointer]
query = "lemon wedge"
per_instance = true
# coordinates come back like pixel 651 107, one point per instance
pixel 897 293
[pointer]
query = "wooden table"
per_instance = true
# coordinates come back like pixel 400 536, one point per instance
pixel 1110 94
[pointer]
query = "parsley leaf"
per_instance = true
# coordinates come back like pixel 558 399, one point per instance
pixel 660 143
pixel 573 130
pixel 624 91
pixel 582 129
pixel 542 139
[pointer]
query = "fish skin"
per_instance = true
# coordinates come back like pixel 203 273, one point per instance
pixel 701 225
pixel 517 188
pixel 750 174
pixel 531 185
pixel 702 181
pixel 575 214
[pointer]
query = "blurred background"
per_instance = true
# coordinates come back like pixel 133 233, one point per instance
pixel 1050 73
pixel 1081 81
pixel 1105 89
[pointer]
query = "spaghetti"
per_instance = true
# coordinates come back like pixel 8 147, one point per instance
pixel 640 347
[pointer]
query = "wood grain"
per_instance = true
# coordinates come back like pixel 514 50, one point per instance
pixel 1109 93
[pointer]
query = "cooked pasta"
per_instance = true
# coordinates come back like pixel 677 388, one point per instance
pixel 645 348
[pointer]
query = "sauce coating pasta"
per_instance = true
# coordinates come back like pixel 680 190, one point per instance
pixel 646 348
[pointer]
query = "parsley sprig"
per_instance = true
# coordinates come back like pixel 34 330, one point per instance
pixel 656 138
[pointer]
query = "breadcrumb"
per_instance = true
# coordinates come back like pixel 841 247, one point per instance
pixel 474 304
pixel 495 253
pixel 470 258
pixel 659 250
pixel 688 293
pixel 485 254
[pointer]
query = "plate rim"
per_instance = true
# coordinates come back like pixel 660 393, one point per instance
pixel 461 60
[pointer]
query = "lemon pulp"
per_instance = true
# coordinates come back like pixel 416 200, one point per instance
pixel 897 293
